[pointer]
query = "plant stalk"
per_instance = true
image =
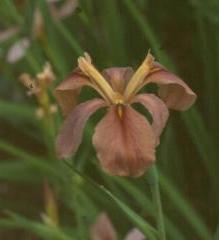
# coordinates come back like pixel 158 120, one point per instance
pixel 155 190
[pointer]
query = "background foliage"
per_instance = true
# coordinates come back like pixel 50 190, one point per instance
pixel 184 36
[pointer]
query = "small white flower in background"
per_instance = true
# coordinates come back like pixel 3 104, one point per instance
pixel 135 234
pixel 18 50
pixel 103 229
pixel 38 86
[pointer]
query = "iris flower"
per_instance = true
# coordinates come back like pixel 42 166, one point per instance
pixel 104 230
pixel 124 139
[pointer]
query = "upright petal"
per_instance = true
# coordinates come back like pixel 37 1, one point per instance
pixel 102 86
pixel 125 145
pixel 103 229
pixel 157 109
pixel 118 77
pixel 173 91
pixel 70 135
pixel 135 234
pixel 68 90
pixel 138 78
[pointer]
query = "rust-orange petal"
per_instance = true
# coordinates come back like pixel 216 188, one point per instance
pixel 68 90
pixel 158 111
pixel 173 91
pixel 103 229
pixel 70 135
pixel 135 234
pixel 125 146
pixel 118 77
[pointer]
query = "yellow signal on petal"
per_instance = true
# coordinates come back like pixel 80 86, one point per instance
pixel 138 77
pixel 96 78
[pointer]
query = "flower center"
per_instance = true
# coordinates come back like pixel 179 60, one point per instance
pixel 120 103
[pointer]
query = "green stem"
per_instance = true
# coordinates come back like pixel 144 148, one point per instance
pixel 155 190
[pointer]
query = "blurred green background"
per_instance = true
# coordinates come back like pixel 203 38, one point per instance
pixel 183 36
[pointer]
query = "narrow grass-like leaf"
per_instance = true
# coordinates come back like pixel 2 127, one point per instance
pixel 12 11
pixel 42 230
pixel 69 38
pixel 201 137
pixel 143 201
pixel 50 44
pixel 18 171
pixel 37 162
pixel 185 209
pixel 149 231
pixel 16 111
pixel 114 31
pixel 146 29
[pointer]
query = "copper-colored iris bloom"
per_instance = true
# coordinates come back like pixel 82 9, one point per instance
pixel 124 139
pixel 103 229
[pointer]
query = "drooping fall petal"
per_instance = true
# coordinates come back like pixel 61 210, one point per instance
pixel 70 135
pixel 157 109
pixel 67 92
pixel 125 144
pixel 135 234
pixel 103 229
pixel 118 77
pixel 173 91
